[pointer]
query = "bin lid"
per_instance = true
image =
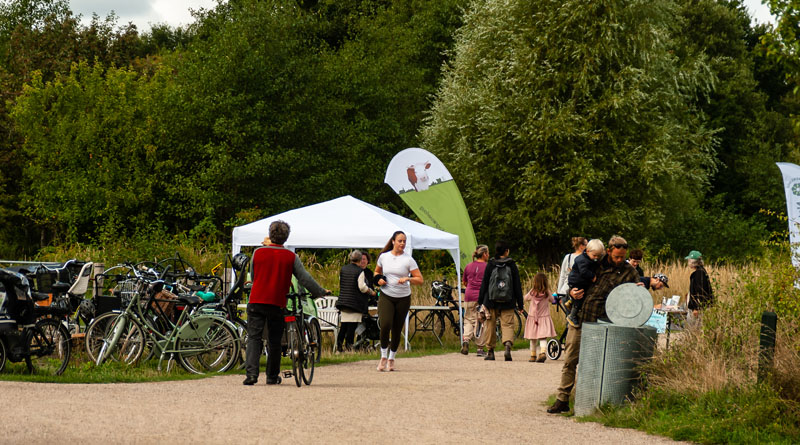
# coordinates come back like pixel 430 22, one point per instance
pixel 629 305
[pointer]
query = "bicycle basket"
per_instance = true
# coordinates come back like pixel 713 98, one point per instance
pixel 166 301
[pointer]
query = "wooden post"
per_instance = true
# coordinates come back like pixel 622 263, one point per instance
pixel 766 347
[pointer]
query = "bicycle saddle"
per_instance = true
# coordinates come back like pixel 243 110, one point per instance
pixel 39 296
pixel 190 299
pixel 59 287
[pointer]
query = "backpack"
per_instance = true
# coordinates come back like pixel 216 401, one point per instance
pixel 500 283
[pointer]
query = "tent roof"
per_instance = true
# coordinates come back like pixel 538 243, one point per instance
pixel 342 223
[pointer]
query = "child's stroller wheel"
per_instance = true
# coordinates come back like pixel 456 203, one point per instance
pixel 553 349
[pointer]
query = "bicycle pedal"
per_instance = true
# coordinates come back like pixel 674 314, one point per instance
pixel 287 374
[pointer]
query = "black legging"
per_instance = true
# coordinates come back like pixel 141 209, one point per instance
pixel 347 334
pixel 392 316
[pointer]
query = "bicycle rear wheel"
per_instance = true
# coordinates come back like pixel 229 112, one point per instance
pixel 49 347
pixel 295 353
pixel 310 348
pixel 206 345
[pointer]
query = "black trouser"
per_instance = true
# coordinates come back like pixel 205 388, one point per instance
pixel 392 316
pixel 259 315
pixel 347 334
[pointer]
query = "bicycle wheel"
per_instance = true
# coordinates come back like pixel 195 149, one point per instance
pixel 123 341
pixel 96 332
pixel 316 337
pixel 454 324
pixel 3 356
pixel 310 348
pixel 519 325
pixel 48 347
pixel 295 353
pixel 207 344
pixel 553 349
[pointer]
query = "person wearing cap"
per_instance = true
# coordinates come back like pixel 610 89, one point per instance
pixel 701 295
pixel 656 282
pixel 613 271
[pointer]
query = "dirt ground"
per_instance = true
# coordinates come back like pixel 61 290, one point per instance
pixel 436 399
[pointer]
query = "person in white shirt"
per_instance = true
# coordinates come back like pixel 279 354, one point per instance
pixel 395 273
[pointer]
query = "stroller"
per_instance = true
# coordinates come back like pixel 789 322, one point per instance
pixel 556 345
pixel 368 333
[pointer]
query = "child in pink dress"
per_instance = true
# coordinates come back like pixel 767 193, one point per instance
pixel 539 326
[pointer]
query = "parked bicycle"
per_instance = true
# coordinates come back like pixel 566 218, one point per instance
pixel 201 341
pixel 42 343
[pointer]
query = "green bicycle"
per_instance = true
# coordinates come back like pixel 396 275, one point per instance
pixel 201 341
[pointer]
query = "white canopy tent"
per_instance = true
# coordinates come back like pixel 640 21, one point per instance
pixel 347 222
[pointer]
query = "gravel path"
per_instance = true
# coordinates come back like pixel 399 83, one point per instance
pixel 436 399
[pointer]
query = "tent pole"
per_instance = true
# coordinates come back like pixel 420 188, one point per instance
pixel 460 308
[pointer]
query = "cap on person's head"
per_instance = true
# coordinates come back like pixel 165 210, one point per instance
pixel 694 255
pixel 662 278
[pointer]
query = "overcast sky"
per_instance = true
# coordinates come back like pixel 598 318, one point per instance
pixel 176 12
pixel 142 13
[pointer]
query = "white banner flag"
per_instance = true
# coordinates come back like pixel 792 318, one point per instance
pixel 791 185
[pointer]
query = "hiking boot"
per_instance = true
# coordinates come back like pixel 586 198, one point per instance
pixel 481 352
pixel 250 380
pixel 489 355
pixel 541 358
pixel 532 359
pixel 507 354
pixel 573 321
pixel 559 407
pixel 276 381
pixel 465 348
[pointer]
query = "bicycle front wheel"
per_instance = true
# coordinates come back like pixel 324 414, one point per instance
pixel 97 330
pixel 315 335
pixel 207 345
pixel 49 347
pixel 295 353
pixel 123 341
pixel 310 349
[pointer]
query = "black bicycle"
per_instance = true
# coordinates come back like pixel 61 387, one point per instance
pixel 29 334
pixel 443 293
pixel 300 341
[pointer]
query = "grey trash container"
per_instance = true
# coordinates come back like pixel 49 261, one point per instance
pixel 607 368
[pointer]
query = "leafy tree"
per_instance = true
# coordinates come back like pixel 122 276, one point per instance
pixel 257 110
pixel 566 117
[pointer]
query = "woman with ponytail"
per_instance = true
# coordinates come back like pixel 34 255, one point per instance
pixel 473 276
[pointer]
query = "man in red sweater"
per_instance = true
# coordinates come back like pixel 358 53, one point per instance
pixel 273 267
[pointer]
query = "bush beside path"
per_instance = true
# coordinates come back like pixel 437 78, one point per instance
pixel 448 398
